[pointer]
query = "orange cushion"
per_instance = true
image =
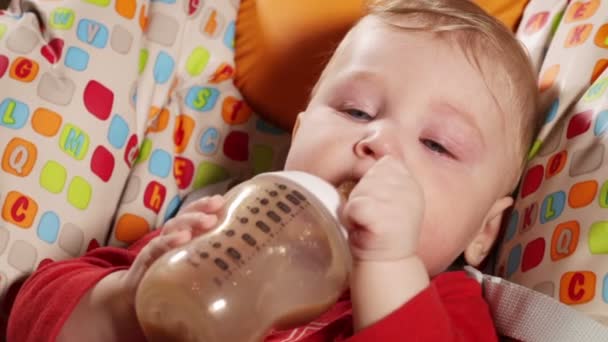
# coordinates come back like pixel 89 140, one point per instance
pixel 508 11
pixel 282 46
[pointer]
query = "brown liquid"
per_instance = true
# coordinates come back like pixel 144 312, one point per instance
pixel 304 314
pixel 161 333
pixel 346 188
pixel 224 287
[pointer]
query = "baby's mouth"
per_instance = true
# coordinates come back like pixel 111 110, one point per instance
pixel 345 188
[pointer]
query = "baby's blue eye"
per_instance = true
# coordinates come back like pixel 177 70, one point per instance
pixel 358 114
pixel 435 146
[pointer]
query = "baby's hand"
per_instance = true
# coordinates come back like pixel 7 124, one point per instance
pixel 195 219
pixel 110 304
pixel 384 213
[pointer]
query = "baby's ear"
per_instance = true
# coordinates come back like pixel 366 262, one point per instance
pixel 481 243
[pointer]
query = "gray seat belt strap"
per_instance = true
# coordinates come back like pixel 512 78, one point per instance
pixel 530 316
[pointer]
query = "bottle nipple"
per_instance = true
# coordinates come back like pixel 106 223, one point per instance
pixel 345 188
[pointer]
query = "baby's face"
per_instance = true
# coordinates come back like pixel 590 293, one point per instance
pixel 417 98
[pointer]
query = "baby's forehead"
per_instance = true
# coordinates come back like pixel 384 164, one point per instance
pixel 385 49
pixel 495 92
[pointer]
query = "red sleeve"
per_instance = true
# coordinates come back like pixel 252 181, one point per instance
pixel 452 308
pixel 50 294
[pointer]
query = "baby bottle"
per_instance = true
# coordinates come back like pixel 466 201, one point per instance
pixel 278 258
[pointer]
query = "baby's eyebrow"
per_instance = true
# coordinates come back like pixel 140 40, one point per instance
pixel 457 111
pixel 342 78
pixel 361 83
pixel 361 75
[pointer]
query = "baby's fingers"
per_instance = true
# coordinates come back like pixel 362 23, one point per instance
pixel 194 222
pixel 153 250
pixel 207 205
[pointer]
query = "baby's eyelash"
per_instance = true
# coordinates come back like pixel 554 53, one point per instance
pixel 358 114
pixel 436 147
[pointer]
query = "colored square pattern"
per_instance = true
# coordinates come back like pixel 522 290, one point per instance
pixel 209 173
pixel 79 193
pixel 77 59
pixel 98 99
pixel 163 67
pixel 19 209
pixel 72 140
pixel 144 151
pixel 46 122
pixel 102 163
pixel 598 238
pixel 160 163
pixel 62 18
pixel 48 227
pixel 19 157
pixel 13 113
pixel 100 3
pixel 202 99
pixel 560 249
pixel 24 69
pixel 4 64
pixel 93 33
pixel 53 177
pixel 197 61
pixel 118 132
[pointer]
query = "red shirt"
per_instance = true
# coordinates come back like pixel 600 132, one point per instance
pixel 452 308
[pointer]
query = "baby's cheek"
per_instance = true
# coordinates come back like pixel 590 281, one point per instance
pixel 439 245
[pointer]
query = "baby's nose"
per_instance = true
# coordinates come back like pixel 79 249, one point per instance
pixel 375 146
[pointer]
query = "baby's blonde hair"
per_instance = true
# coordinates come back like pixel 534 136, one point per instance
pixel 487 42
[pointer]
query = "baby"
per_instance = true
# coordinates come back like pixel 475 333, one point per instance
pixel 430 107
